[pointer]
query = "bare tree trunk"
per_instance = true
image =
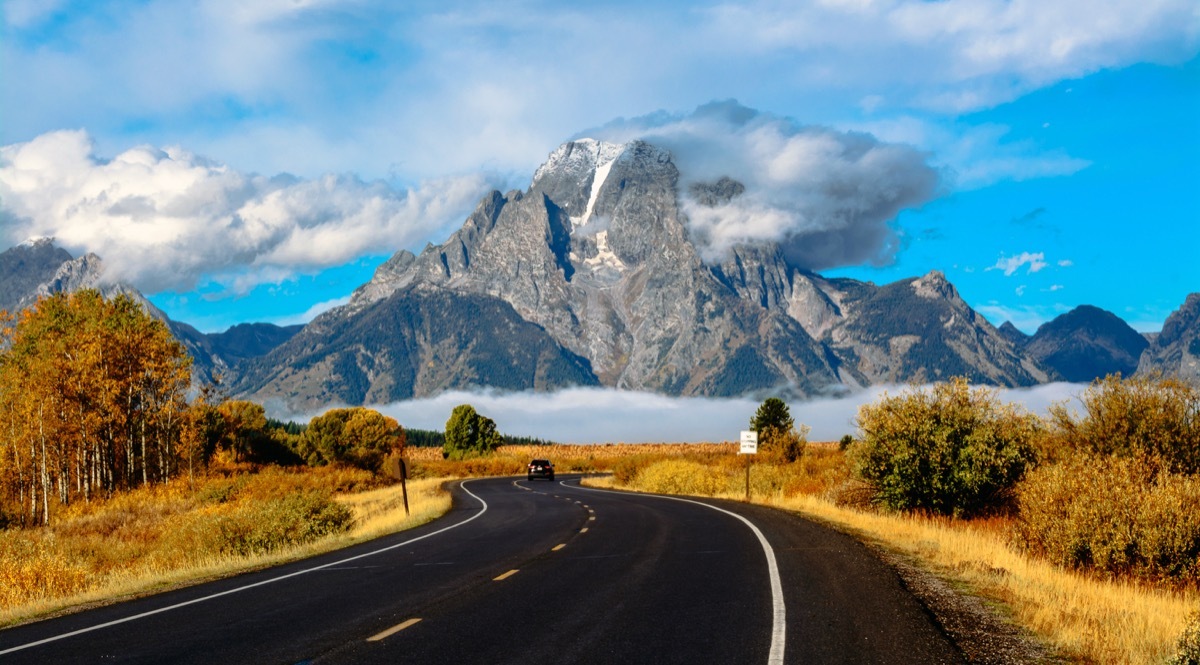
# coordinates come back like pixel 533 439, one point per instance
pixel 45 469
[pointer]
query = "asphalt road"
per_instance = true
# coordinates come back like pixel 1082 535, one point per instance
pixel 532 572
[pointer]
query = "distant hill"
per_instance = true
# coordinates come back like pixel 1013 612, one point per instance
pixel 250 340
pixel 1087 343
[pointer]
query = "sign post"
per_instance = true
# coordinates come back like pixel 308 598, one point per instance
pixel 748 447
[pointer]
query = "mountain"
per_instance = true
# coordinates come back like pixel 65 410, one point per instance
pixel 414 342
pixel 40 268
pixel 1087 343
pixel 1176 350
pixel 26 267
pixel 250 340
pixel 597 256
pixel 1010 332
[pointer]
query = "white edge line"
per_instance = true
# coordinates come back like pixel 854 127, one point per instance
pixel 778 611
pixel 251 586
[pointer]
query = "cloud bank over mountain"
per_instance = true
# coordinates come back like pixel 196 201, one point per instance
pixel 166 219
pixel 826 196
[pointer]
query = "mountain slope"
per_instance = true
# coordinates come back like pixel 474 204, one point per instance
pixel 1176 350
pixel 40 268
pixel 414 342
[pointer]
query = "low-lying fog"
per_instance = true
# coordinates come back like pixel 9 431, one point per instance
pixel 598 415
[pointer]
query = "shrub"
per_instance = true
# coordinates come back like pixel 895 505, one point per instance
pixel 356 436
pixel 1112 515
pixel 1154 419
pixel 287 521
pixel 1189 644
pixel 681 477
pixel 952 450
pixel 782 445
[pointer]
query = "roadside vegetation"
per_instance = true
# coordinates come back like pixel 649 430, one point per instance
pixel 118 477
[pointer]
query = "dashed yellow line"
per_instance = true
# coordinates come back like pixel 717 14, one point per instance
pixel 558 547
pixel 393 630
pixel 505 576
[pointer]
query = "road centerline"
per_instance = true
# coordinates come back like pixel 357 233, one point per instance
pixel 393 630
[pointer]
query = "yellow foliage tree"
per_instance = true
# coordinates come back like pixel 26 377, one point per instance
pixel 92 399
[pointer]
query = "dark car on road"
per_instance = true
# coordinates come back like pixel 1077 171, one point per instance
pixel 541 468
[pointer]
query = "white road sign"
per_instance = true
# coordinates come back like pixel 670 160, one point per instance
pixel 749 443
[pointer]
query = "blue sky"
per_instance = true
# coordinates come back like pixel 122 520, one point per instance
pixel 256 161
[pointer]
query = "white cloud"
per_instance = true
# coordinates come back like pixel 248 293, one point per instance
pixel 1011 264
pixel 1065 263
pixel 826 196
pixel 163 219
pixel 964 55
pixel 595 415
pixel 450 86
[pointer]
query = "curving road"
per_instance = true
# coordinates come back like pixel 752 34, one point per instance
pixel 532 572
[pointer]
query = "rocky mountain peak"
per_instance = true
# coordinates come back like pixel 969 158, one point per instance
pixel 597 256
pixel 1176 350
pixel 27 266
pixel 935 286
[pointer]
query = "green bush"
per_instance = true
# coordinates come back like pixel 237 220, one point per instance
pixel 952 450
pixel 1153 419
pixel 1112 515
pixel 469 434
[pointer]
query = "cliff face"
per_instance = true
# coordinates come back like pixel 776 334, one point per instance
pixel 1176 350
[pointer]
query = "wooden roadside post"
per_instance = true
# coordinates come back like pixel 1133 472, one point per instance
pixel 397 467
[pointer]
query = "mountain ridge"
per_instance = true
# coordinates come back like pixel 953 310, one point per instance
pixel 594 276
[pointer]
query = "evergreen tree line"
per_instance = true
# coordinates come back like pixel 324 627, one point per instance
pixel 425 438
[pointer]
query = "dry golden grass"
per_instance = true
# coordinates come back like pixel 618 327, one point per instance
pixel 172 535
pixel 381 511
pixel 1083 617
pixel 568 458
pixel 1086 618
